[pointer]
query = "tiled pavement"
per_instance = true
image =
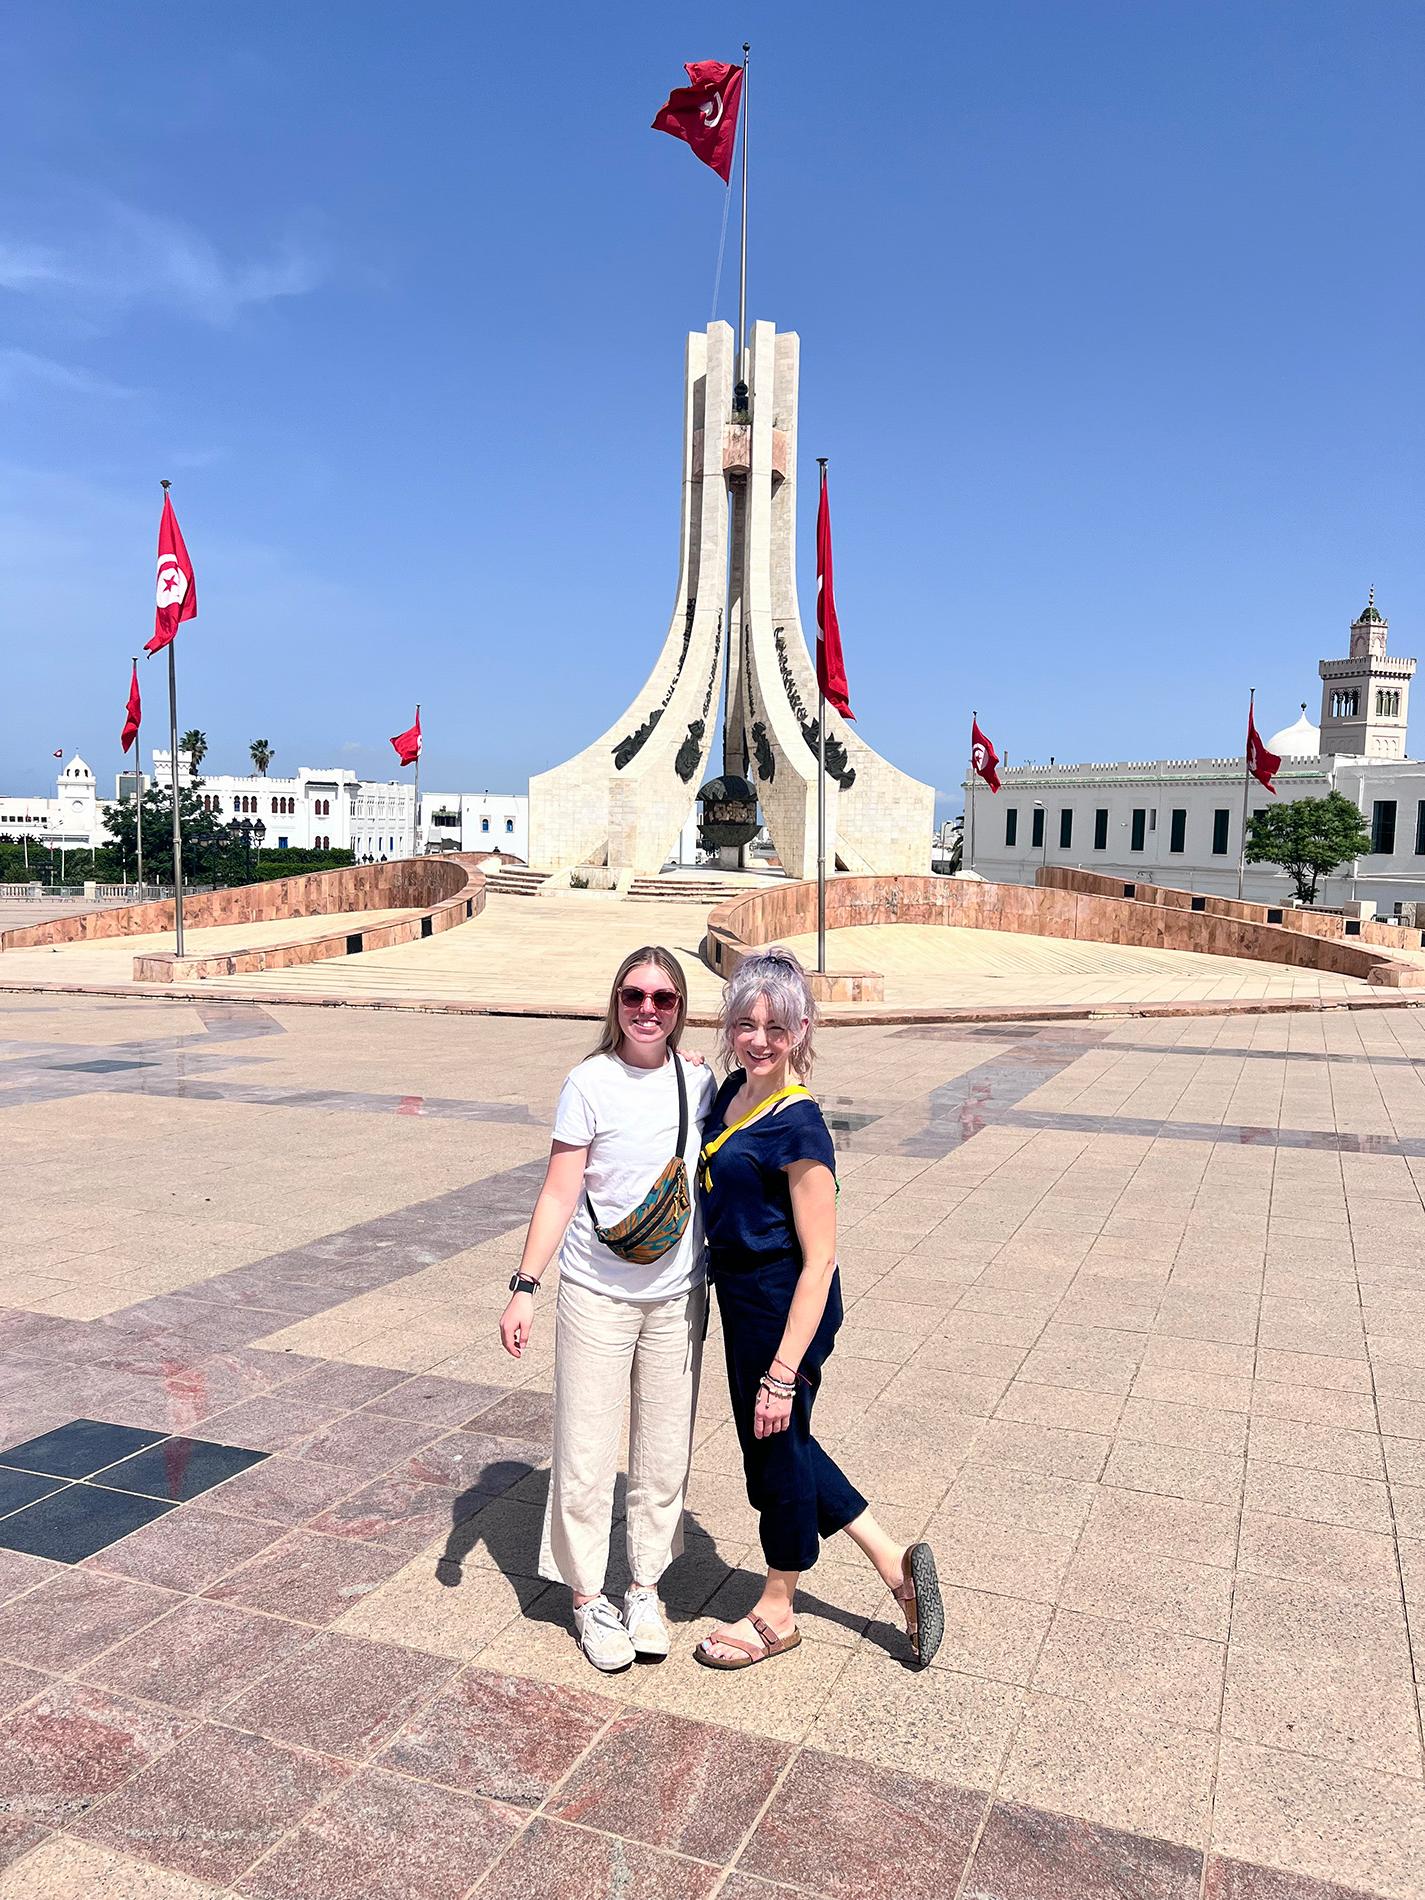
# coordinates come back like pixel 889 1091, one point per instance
pixel 1133 1334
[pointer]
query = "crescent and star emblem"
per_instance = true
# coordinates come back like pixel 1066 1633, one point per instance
pixel 977 756
pixel 712 111
pixel 172 587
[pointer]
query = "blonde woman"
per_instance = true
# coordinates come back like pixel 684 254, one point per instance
pixel 767 1184
pixel 616 1207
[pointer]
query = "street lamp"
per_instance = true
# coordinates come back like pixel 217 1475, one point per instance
pixel 259 832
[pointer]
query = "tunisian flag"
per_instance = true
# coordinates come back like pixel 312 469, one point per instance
pixel 830 667
pixel 133 713
pixel 408 744
pixel 704 113
pixel 177 597
pixel 1263 765
pixel 983 756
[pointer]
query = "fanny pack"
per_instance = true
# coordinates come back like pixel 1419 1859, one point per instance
pixel 661 1217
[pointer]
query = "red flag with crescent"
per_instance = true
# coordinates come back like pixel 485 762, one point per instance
pixel 1263 765
pixel 983 756
pixel 830 666
pixel 408 744
pixel 133 713
pixel 176 598
pixel 704 113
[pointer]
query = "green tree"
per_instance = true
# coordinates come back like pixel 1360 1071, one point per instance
pixel 195 744
pixel 213 853
pixel 260 753
pixel 1308 838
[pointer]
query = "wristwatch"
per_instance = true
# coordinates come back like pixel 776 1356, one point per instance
pixel 520 1283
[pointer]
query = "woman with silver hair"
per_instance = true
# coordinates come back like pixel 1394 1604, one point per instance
pixel 767 1182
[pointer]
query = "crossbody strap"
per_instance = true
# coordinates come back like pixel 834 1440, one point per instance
pixel 682 1126
pixel 792 1091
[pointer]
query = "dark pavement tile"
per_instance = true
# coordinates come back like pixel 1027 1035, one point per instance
pixel 552 1862
pixel 72 1746
pixel 384 1838
pixel 76 1521
pixel 340 1695
pixel 186 1550
pixel 213 1804
pixel 199 1656
pixel 179 1468
pixel 686 1786
pixel 850 1829
pixel 1027 1854
pixel 505 1737
pixel 69 1619
pixel 285 1490
pixel 315 1579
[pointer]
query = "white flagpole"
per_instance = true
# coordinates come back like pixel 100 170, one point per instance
pixel 970 841
pixel 138 793
pixel 1246 790
pixel 740 392
pixel 416 822
pixel 821 777
pixel 173 769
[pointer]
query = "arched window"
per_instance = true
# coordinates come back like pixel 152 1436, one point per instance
pixel 509 824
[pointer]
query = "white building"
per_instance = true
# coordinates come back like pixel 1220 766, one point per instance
pixel 309 810
pixel 1179 821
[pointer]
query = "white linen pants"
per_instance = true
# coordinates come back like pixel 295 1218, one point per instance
pixel 607 1351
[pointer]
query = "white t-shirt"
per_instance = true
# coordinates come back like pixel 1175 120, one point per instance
pixel 628 1120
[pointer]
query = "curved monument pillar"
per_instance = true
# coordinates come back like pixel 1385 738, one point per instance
pixel 878 819
pixel 624 799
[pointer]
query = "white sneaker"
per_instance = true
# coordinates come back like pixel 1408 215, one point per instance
pixel 602 1636
pixel 643 1619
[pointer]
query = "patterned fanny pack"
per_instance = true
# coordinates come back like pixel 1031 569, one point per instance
pixel 661 1217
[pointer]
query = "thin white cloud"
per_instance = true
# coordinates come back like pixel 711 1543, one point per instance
pixel 22 368
pixel 136 257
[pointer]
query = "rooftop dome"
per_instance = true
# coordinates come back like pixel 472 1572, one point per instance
pixel 1371 615
pixel 1301 741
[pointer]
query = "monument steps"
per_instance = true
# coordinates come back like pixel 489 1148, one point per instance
pixel 681 890
pixel 515 883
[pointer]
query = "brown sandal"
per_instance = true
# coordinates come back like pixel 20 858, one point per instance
pixel 771 1645
pixel 921 1605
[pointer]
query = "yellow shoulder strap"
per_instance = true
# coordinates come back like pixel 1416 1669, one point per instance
pixel 792 1090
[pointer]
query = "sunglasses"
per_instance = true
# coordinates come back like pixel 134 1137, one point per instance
pixel 662 1000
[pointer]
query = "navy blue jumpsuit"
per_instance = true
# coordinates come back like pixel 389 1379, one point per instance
pixel 755 1260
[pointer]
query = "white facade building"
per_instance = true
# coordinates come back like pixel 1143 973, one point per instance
pixel 309 810
pixel 1179 821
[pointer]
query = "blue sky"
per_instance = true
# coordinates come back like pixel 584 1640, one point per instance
pixel 1110 314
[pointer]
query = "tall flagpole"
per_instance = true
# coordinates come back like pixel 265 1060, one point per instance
pixel 138 792
pixel 740 391
pixel 416 822
pixel 173 768
pixel 821 792
pixel 970 862
pixel 1246 789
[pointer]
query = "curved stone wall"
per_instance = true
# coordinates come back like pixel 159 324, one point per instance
pixel 441 892
pixel 1047 910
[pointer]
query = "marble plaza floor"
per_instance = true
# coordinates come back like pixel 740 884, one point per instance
pixel 1134 1335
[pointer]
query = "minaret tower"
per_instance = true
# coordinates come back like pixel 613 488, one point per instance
pixel 1365 697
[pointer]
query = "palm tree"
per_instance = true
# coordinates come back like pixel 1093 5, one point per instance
pixel 261 754
pixel 195 744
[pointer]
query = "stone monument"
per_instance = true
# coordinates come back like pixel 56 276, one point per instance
pixel 735 637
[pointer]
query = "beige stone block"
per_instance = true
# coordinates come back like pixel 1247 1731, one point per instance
pixel 1063 1454
pixel 933 1723
pixel 1326 1553
pixel 64 1869
pixel 1342 1712
pixel 1321 1497
pixel 1321 1819
pixel 1207 1477
pixel 1138 1773
pixel 432 1607
pixel 1160 1674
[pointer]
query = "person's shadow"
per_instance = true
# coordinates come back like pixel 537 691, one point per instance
pixel 698 1583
